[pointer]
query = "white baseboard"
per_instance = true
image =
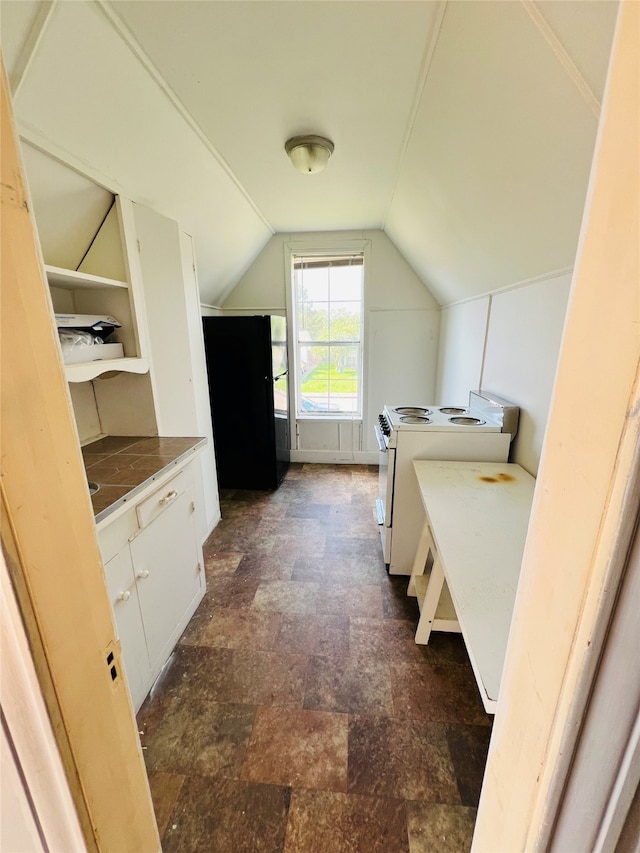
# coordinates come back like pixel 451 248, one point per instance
pixel 336 457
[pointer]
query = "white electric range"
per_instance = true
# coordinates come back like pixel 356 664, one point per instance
pixel 479 432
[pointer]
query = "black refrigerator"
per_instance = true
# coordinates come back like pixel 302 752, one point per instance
pixel 248 390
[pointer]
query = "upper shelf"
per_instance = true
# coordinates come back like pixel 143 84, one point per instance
pixel 71 279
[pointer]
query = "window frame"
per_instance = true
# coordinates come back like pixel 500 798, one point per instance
pixel 340 249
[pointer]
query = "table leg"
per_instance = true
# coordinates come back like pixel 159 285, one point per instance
pixel 425 545
pixel 430 603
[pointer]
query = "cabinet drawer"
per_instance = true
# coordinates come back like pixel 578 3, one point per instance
pixel 161 499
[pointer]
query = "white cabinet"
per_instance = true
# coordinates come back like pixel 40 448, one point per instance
pixel 154 573
pixel 123 594
pixel 168 569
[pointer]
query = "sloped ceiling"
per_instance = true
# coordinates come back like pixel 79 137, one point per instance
pixel 464 129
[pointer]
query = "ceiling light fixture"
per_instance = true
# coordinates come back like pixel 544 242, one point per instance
pixel 309 154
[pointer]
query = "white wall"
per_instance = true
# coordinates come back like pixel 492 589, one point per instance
pixel 401 330
pixel 523 344
pixel 508 343
pixel 463 330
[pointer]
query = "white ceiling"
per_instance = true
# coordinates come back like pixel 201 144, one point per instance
pixel 464 129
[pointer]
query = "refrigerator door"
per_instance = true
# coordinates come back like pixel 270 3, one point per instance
pixel 241 391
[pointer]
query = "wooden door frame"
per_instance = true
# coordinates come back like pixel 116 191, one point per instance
pixel 48 530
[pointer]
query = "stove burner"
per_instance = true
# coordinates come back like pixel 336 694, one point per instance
pixel 452 410
pixel 412 410
pixel 415 419
pixel 467 421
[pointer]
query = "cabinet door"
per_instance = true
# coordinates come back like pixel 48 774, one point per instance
pixel 168 574
pixel 126 611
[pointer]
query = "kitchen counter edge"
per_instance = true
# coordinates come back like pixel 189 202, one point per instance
pixel 136 491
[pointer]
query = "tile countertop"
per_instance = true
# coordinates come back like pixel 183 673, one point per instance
pixel 124 465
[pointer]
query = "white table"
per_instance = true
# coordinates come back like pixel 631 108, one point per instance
pixel 477 516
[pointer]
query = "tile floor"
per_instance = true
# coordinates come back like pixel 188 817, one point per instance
pixel 297 714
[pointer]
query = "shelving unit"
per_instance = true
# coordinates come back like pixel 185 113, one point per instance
pixel 83 292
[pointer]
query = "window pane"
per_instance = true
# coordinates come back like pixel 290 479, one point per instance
pixel 278 329
pixel 344 321
pixel 278 359
pixel 313 321
pixel 346 283
pixel 312 284
pixel 343 377
pixel 280 396
pixel 314 384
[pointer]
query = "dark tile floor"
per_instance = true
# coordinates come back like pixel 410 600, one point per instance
pixel 297 714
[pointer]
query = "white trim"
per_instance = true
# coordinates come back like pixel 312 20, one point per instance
pixel 31 733
pixel 331 244
pixel 517 285
pixel 34 137
pixel 560 52
pixel 336 457
pixel 30 46
pixel 486 338
pixel 317 246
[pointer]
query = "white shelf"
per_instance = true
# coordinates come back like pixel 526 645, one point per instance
pixel 70 279
pixel 86 371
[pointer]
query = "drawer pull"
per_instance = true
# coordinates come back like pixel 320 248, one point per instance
pixel 170 496
pixel 143 575
pixel 124 596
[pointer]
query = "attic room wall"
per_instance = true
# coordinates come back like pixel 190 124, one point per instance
pixel 507 343
pixel 401 327
pixel 87 99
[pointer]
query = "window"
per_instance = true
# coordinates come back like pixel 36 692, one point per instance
pixel 327 316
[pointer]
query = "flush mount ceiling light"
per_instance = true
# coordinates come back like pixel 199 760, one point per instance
pixel 309 154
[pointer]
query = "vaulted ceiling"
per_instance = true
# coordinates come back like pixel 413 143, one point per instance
pixel 465 130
